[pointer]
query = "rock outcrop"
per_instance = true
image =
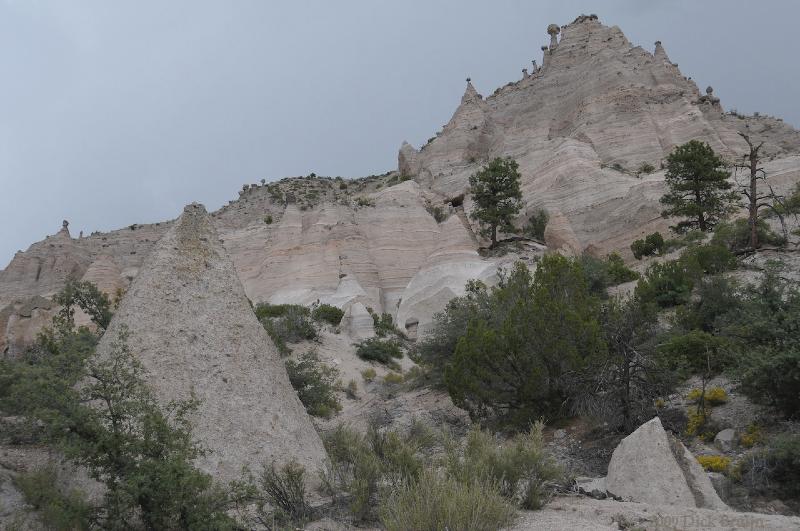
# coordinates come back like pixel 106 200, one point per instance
pixel 652 466
pixel 190 325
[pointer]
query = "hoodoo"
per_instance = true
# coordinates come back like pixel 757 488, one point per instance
pixel 190 325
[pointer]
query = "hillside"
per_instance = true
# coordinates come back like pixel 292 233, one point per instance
pixel 581 127
pixel 591 129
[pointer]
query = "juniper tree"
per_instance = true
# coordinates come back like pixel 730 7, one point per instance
pixel 699 189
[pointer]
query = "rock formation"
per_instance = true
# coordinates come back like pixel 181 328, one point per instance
pixel 600 108
pixel 579 127
pixel 190 325
pixel 652 466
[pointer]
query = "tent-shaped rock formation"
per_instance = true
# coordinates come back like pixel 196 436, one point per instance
pixel 190 325
pixel 651 466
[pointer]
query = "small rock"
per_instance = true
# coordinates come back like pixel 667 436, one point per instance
pixel 598 494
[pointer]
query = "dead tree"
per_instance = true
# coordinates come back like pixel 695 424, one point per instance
pixel 755 200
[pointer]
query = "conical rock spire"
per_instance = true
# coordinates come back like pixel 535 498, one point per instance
pixel 192 328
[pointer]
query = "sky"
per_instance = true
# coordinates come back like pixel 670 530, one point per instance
pixel 113 113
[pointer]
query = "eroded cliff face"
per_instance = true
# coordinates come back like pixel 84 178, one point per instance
pixel 580 127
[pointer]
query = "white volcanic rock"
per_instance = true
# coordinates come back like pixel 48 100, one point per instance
pixel 104 273
pixel 358 322
pixel 579 128
pixel 443 276
pixel 20 322
pixel 559 236
pixel 650 466
pixel 191 327
pixel 598 102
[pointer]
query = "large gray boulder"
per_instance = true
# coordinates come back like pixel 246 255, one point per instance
pixel 191 326
pixel 652 466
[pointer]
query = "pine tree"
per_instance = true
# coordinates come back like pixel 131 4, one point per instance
pixel 496 192
pixel 699 189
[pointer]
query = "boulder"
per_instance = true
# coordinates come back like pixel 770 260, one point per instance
pixel 191 327
pixel 651 466
pixel 726 439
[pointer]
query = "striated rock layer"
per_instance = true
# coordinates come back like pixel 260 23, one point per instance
pixel 581 128
pixel 190 325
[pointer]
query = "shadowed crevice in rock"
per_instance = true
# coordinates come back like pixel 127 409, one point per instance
pixel 679 453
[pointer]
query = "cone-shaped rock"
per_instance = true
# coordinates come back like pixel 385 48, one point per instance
pixel 652 466
pixel 191 326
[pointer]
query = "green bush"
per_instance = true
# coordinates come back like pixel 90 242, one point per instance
pixel 473 488
pixel 286 323
pixel 600 274
pixel 56 508
pixel 652 244
pixel 88 298
pixel 364 202
pixel 265 310
pixel 772 376
pixel 717 296
pixel 783 454
pixel 521 468
pixel 380 350
pixel 361 463
pixel 368 374
pixel 353 469
pixel 537 222
pixel 315 383
pixel 435 350
pixel 666 284
pixel 439 214
pixel 645 168
pixel 760 322
pixel 618 272
pixel 384 325
pixel 709 259
pixel 735 235
pixel 268 219
pixel 393 378
pixel 512 367
pixel 774 470
pixel 596 275
pixel 327 313
pixel 285 490
pixel 435 502
pixel 142 453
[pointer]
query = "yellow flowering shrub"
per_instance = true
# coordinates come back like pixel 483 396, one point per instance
pixel 714 396
pixel 714 463
pixel 751 436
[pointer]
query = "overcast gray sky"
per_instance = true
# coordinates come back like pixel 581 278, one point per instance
pixel 120 112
